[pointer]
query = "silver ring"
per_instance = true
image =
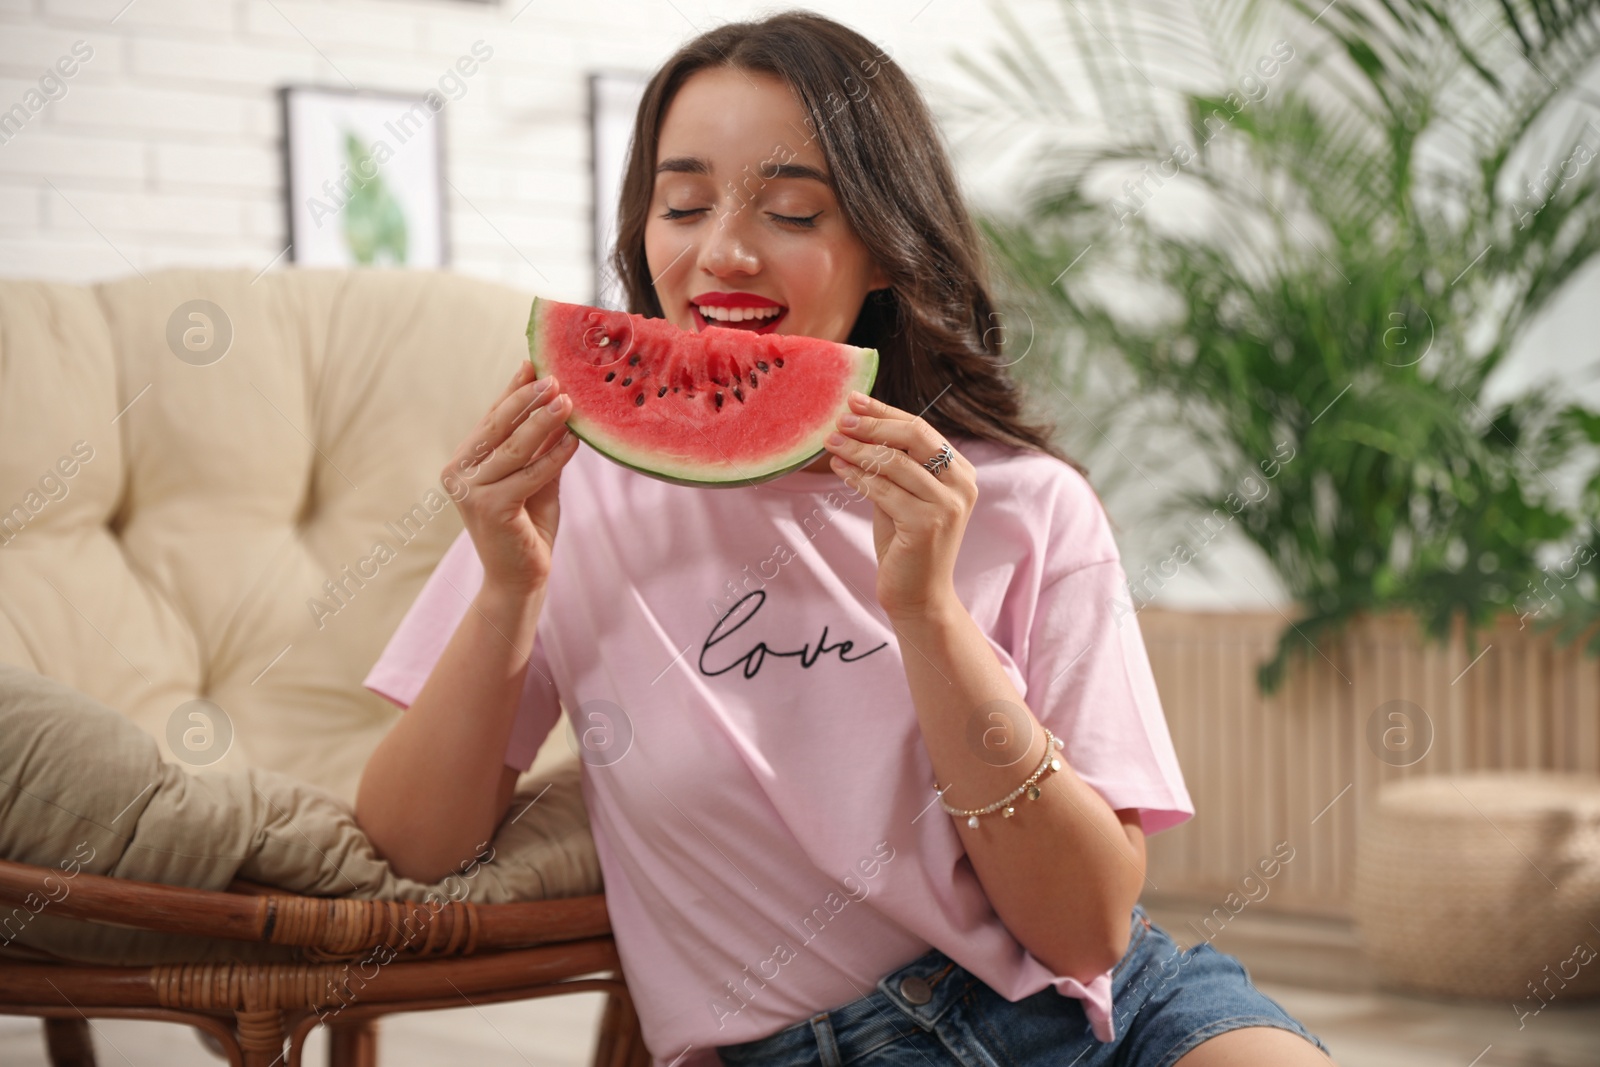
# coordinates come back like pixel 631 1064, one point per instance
pixel 937 464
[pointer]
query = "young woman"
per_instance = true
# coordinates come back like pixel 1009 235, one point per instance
pixel 803 702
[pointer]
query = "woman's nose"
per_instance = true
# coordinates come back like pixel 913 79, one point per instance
pixel 725 249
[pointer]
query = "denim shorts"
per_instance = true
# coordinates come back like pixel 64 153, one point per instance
pixel 1165 1000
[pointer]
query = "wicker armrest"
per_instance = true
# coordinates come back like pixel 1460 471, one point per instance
pixel 327 927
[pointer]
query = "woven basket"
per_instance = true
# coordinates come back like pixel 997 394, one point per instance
pixel 1484 885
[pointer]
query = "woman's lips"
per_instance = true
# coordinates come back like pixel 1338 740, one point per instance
pixel 748 325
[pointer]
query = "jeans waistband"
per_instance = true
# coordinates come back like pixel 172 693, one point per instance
pixel 866 1022
pixel 921 991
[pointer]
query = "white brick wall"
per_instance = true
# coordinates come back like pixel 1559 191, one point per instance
pixel 166 149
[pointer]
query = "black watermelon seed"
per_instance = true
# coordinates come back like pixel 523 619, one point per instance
pixel 610 375
pixel 662 391
pixel 753 382
pixel 634 361
pixel 762 364
pixel 719 399
pixel 628 380
pixel 738 394
pixel 638 401
pixel 779 362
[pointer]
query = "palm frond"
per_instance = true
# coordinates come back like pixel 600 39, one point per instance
pixel 1357 267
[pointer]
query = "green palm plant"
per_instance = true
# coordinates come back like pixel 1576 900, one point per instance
pixel 1328 259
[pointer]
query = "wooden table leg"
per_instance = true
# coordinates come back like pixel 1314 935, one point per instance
pixel 353 1044
pixel 68 1043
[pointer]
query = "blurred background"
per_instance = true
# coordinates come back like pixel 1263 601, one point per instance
pixel 1311 289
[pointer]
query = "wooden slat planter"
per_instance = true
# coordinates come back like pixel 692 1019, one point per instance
pixel 1298 767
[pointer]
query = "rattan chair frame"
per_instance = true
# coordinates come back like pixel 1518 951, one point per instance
pixel 422 957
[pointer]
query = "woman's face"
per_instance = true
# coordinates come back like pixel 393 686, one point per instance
pixel 744 228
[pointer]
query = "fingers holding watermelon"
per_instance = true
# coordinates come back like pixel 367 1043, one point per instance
pixel 511 508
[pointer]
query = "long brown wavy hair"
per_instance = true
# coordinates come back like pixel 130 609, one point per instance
pixel 938 336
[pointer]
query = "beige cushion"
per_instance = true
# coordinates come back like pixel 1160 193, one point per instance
pixel 84 790
pixel 167 527
pixel 183 558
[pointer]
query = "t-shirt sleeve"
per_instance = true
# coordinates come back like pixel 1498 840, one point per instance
pixel 1088 674
pixel 426 629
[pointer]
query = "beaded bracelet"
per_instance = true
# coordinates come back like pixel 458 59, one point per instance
pixel 1051 762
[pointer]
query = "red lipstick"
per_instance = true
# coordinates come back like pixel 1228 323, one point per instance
pixel 736 300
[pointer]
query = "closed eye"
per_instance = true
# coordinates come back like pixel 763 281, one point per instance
pixel 675 213
pixel 808 221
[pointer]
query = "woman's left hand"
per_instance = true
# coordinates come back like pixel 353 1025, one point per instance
pixel 918 519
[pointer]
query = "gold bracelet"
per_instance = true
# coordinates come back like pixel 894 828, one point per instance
pixel 1051 762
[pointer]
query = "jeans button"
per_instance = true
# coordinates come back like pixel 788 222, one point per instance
pixel 916 990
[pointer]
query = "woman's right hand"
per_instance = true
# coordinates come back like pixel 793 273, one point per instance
pixel 510 466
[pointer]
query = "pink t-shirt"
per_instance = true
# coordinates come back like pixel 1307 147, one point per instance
pixel 753 767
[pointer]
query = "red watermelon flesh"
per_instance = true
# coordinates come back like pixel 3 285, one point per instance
pixel 716 408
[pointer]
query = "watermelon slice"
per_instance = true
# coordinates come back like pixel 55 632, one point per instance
pixel 717 408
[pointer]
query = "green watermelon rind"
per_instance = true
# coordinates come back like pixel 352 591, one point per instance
pixel 682 474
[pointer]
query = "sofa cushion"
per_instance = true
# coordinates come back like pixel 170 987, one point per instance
pixel 175 526
pixel 84 789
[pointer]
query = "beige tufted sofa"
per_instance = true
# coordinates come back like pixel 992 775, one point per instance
pixel 225 489
pixel 235 501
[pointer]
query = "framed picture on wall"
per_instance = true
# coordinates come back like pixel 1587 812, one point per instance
pixel 613 102
pixel 364 177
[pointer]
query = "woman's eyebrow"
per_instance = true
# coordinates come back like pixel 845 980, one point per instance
pixel 772 171
pixel 767 169
pixel 683 165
